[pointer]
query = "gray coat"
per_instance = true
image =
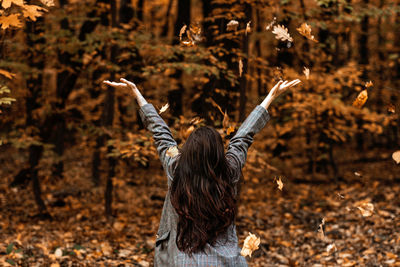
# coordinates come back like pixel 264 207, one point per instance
pixel 222 253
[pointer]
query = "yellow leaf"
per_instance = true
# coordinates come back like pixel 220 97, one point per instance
pixel 251 244
pixel 181 32
pixel 10 21
pixel 391 108
pixel 367 209
pixel 7 74
pixel 7 3
pixel 279 183
pixel 281 33
pixel 248 29
pixel 361 99
pixel 396 156
pixel 240 67
pixel 230 130
pixel 305 30
pixel 232 25
pixel 369 84
pixel 306 72
pixel 164 108
pixel 32 11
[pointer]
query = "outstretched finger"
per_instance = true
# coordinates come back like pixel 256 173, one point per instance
pixel 129 83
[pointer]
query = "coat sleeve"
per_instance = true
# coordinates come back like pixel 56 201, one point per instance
pixel 161 133
pixel 240 143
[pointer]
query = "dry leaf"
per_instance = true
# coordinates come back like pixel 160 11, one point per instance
pixel 10 21
pixel 230 130
pixel 7 74
pixel 281 33
pixel 181 32
pixel 305 30
pixel 164 108
pixel 240 67
pixel 321 229
pixel 358 174
pixel 279 183
pixel 331 248
pixel 251 244
pixel 172 151
pixel 225 121
pixel 58 253
pixel 232 25
pixel 396 156
pixel 48 2
pixel 7 3
pixel 367 209
pixel 361 99
pixel 32 11
pixel 306 72
pixel 248 29
pixel 391 108
pixel 369 84
pixel 269 26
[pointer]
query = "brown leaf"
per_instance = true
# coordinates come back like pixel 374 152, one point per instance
pixel 7 74
pixel 306 72
pixel 361 99
pixel 10 21
pixel 391 108
pixel 230 130
pixel 164 108
pixel 367 209
pixel 396 156
pixel 240 67
pixel 181 32
pixel 48 2
pixel 248 29
pixel 232 25
pixel 32 11
pixel 369 84
pixel 251 244
pixel 305 30
pixel 321 229
pixel 7 3
pixel 281 33
pixel 279 183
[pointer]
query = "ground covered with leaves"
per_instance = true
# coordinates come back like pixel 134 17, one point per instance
pixel 304 224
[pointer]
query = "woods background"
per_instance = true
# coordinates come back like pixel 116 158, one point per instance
pixel 80 175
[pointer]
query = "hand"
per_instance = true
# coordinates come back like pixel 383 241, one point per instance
pixel 281 87
pixel 124 85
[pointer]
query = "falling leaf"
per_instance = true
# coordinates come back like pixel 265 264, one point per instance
pixel 361 99
pixel 340 195
pixel 358 174
pixel 230 130
pixel 396 156
pixel 232 25
pixel 164 108
pixel 181 32
pixel 32 11
pixel 47 2
pixel 281 33
pixel 7 3
pixel 279 183
pixel 248 29
pixel 7 74
pixel 269 26
pixel 240 67
pixel 251 244
pixel 321 229
pixel 305 30
pixel 391 108
pixel 366 209
pixel 369 84
pixel 172 151
pixel 331 248
pixel 306 72
pixel 10 21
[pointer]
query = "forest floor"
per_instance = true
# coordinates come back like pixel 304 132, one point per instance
pixel 288 221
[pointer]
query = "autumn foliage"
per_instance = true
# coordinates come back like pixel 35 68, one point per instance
pixel 80 180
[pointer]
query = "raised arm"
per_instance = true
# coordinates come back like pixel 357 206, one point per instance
pixel 240 143
pixel 153 122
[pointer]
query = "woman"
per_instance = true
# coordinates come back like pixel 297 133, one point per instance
pixel 197 222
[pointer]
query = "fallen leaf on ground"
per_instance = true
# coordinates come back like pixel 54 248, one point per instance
pixel 367 209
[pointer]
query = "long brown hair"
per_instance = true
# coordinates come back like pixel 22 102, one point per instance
pixel 201 192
